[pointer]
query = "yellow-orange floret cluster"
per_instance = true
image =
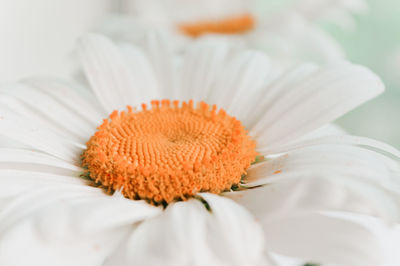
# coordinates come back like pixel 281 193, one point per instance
pixel 231 25
pixel 169 152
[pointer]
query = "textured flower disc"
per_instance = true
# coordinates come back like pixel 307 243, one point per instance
pixel 232 25
pixel 169 152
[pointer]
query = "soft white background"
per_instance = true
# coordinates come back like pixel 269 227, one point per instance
pixel 37 36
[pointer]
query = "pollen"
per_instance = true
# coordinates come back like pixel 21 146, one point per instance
pixel 169 151
pixel 232 25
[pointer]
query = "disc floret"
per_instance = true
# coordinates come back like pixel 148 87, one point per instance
pixel 170 151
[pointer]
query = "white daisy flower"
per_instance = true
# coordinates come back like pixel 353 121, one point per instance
pixel 184 183
pixel 290 34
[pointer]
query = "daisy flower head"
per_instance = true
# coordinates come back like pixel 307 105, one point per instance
pixel 290 34
pixel 207 159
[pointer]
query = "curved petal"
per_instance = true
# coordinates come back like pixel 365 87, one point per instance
pixel 18 182
pixel 32 102
pixel 74 97
pixel 304 186
pixel 188 234
pixel 61 226
pixel 332 239
pixel 337 139
pixel 228 222
pixel 315 100
pixel 26 160
pixel 325 177
pixel 280 86
pixel 70 250
pixel 39 137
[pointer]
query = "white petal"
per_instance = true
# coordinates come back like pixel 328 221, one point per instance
pixel 167 239
pixel 48 110
pixel 242 83
pixel 230 77
pixel 114 81
pixel 327 130
pixel 335 177
pixel 17 182
pixel 202 65
pixel 14 201
pixel 21 159
pixel 71 249
pixel 338 139
pixel 37 136
pixel 9 104
pixel 157 45
pixel 316 100
pixel 72 96
pixel 187 234
pixel 147 86
pixel 282 85
pixel 236 230
pixel 64 227
pixel 314 194
pixel 328 239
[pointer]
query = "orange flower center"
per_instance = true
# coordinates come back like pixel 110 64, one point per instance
pixel 169 152
pixel 232 25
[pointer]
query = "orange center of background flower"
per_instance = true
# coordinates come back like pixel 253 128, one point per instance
pixel 169 151
pixel 232 25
